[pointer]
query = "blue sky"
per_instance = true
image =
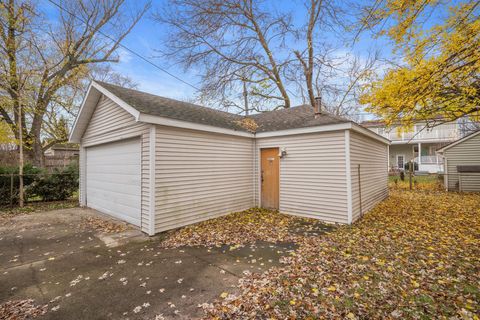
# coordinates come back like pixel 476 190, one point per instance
pixel 148 37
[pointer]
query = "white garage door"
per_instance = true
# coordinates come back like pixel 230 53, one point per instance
pixel 113 181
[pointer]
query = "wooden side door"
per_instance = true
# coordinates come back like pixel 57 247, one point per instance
pixel 269 175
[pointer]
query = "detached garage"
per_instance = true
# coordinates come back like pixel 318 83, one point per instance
pixel 462 163
pixel 160 164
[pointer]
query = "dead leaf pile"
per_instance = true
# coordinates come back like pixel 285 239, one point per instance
pixel 104 225
pixel 237 229
pixel 21 309
pixel 248 124
pixel 415 256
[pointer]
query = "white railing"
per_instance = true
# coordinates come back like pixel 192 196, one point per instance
pixel 444 132
pixel 431 160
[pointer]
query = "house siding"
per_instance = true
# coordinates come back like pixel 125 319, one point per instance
pixel 200 175
pixel 312 175
pixel 110 123
pixel 400 149
pixel 464 153
pixel 371 155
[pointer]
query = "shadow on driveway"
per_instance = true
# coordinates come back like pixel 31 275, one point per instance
pixel 55 260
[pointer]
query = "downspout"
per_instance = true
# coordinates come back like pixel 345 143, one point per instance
pixel 348 177
pixel 254 170
pixel 445 171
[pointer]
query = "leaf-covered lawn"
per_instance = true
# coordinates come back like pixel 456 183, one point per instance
pixel 415 256
pixel 420 182
pixel 246 227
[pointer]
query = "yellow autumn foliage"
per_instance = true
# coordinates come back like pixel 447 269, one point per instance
pixel 6 134
pixel 440 76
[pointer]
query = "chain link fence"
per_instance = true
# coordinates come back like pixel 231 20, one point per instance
pixel 405 181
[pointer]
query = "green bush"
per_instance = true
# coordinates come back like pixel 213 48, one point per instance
pixel 6 194
pixel 58 185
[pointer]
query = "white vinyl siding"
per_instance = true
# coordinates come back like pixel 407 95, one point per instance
pixel 110 123
pixel 113 179
pixel 312 175
pixel 469 181
pixel 463 154
pixel 200 175
pixel 371 155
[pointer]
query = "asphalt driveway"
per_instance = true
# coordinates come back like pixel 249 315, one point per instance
pixel 77 272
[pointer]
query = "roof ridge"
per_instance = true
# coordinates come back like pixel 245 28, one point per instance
pixel 301 116
pixel 167 98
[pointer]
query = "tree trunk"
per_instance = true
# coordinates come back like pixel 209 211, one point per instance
pixel 37 153
pixel 20 160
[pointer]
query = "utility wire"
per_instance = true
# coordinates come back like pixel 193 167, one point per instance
pixel 138 54
pixel 124 46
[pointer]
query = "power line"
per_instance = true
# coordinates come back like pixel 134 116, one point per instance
pixel 125 47
pixel 140 55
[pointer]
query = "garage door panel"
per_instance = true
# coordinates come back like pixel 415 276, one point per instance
pixel 113 179
pixel 121 212
pixel 109 170
pixel 126 207
pixel 125 192
pixel 126 159
pixel 110 176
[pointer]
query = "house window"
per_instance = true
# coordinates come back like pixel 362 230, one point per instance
pixel 400 161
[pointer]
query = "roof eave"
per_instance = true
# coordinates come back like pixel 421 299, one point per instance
pixel 94 92
pixel 360 129
pixel 190 125
pixel 441 150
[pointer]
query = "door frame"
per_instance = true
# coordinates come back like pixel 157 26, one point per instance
pixel 396 160
pixel 259 174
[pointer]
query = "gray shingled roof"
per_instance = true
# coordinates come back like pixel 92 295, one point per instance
pixel 296 117
pixel 291 118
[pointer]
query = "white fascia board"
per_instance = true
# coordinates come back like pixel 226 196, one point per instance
pixel 190 125
pixel 87 108
pixel 75 135
pixel 369 133
pixel 134 112
pixel 458 141
pixel 324 128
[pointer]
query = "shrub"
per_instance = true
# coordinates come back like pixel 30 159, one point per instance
pixel 58 185
pixel 6 195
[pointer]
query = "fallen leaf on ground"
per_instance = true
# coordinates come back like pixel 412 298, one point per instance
pixel 104 225
pixel 416 255
pixel 21 310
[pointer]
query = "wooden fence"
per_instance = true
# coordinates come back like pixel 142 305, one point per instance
pixel 10 159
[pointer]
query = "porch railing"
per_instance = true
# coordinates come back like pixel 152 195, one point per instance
pixel 431 160
pixel 444 132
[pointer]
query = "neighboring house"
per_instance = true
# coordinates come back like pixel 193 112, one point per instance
pixel 66 150
pixel 161 164
pixel 61 155
pixel 462 163
pixel 419 145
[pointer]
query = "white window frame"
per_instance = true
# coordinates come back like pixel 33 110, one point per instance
pixel 403 164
